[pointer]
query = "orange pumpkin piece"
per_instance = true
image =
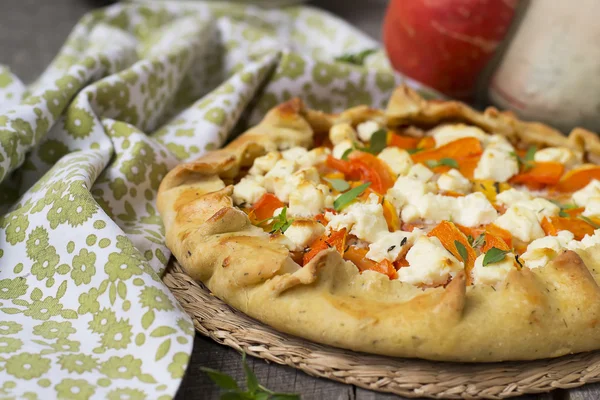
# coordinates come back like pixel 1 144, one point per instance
pixel 578 178
pixel 336 239
pixel 358 257
pixel 403 142
pixel 402 262
pixel 265 206
pixel 500 233
pixel 579 228
pixel 427 142
pixel 540 175
pixel 448 234
pixel 365 167
pixel 391 216
pixel 548 228
pixel 458 149
pixel 492 240
pixel 467 165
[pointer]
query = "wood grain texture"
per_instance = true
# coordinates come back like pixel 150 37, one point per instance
pixel 206 353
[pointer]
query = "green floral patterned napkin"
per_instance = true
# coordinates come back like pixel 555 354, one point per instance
pixel 137 88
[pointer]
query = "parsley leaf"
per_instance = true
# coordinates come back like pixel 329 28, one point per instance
pixel 479 241
pixel 347 153
pixel 378 141
pixel 494 255
pixel 220 379
pixel 355 58
pixel 526 162
pixel 447 161
pixel 462 250
pixel 346 198
pixel 529 156
pixel 338 184
pixel 281 222
pixel 589 221
pixel 254 390
pixel 564 207
pixel 413 151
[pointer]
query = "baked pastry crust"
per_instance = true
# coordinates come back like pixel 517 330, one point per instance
pixel 543 312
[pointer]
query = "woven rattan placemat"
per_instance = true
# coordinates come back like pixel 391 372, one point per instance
pixel 406 377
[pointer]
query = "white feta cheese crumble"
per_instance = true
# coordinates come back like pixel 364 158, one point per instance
pixel 303 232
pixel 340 148
pixel 586 242
pixel 307 199
pixel 521 222
pixel 563 155
pixel 494 273
pixel 582 196
pixel 497 163
pixel 540 206
pixel 592 208
pixel 541 251
pixel 364 220
pixel 471 210
pixel 408 190
pixel 314 157
pixel 512 196
pixel 341 132
pixel 454 181
pixel 367 129
pixel 264 163
pixel 420 172
pixel 449 133
pixel 430 263
pixel 391 245
pixel 294 153
pixel 248 190
pixel 397 159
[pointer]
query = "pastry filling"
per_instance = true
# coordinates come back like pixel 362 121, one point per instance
pixel 421 205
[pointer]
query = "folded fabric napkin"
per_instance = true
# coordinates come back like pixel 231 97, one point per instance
pixel 136 89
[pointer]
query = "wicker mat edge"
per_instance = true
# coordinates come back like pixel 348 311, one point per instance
pixel 405 377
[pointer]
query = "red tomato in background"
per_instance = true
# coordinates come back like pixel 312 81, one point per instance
pixel 445 44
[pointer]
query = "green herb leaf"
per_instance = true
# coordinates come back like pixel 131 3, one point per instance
pixel 494 255
pixel 346 198
pixel 237 395
pixel 449 162
pixel 347 153
pixel 284 396
pixel 378 141
pixel 413 151
pixel 222 380
pixel 355 58
pixel 338 184
pixel 589 221
pixel 281 223
pixel 462 250
pixel 251 381
pixel 479 241
pixel 529 156
pixel 470 239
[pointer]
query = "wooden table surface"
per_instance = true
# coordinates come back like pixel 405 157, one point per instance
pixel 31 32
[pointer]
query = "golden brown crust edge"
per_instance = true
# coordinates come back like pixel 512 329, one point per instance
pixel 546 312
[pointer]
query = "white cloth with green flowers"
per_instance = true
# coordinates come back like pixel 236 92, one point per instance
pixel 136 89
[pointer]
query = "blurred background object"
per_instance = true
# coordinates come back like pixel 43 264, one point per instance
pixel 446 44
pixel 551 67
pixel 32 31
pixel 536 58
